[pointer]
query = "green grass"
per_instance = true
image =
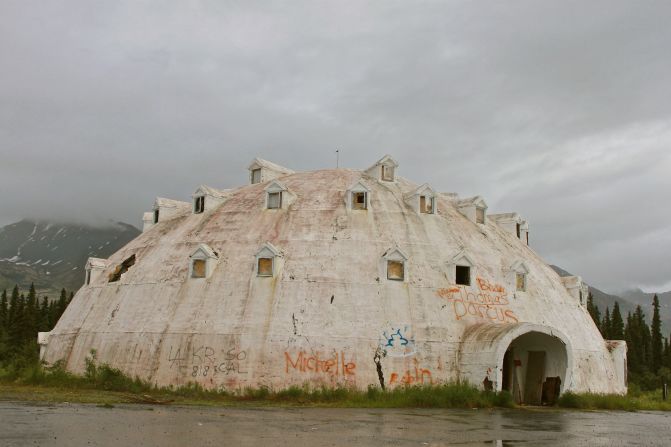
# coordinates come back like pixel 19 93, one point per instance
pixel 106 386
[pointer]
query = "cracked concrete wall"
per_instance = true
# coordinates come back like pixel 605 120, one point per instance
pixel 327 311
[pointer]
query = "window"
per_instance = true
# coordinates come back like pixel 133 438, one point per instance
pixel 274 200
pixel 518 230
pixel 198 268
pixel 265 267
pixel 479 215
pixel 387 173
pixel 121 269
pixel 156 215
pixel 426 204
pixel 199 204
pixel 359 201
pixel 395 270
pixel 521 282
pixel 256 176
pixel 463 275
pixel 88 277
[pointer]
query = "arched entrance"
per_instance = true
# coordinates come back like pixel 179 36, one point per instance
pixel 532 362
pixel 533 368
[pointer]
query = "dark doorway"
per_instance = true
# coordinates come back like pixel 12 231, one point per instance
pixel 533 386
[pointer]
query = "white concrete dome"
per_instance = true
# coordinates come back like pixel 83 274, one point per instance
pixel 348 278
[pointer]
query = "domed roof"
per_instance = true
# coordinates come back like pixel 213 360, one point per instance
pixel 344 278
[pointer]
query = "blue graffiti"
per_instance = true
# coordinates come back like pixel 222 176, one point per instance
pixel 396 337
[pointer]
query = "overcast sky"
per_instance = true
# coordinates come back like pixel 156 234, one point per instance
pixel 558 110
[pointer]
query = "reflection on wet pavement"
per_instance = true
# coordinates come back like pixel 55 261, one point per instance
pixel 74 425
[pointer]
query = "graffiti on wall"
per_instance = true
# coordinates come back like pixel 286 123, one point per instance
pixel 334 364
pixel 397 342
pixel 204 361
pixel 488 302
pixel 415 375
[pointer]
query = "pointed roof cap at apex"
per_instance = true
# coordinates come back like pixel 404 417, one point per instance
pixel 210 191
pixel 276 185
pixel 170 203
pixel 421 190
pixel 472 201
pixel 206 250
pixel 460 257
pixel 261 163
pixel 395 249
pixel 386 160
pixel 520 266
pixel 268 247
pixel 358 186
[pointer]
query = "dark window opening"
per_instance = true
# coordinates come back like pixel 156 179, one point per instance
pixel 265 267
pixel 156 215
pixel 121 269
pixel 199 205
pixel 274 200
pixel 359 201
pixel 463 275
pixel 395 270
pixel 518 229
pixel 426 204
pixel 480 215
pixel 256 176
pixel 198 268
pixel 88 277
pixel 388 173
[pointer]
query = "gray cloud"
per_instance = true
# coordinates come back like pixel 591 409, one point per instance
pixel 558 110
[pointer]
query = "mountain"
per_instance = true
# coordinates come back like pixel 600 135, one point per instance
pixel 628 302
pixel 53 255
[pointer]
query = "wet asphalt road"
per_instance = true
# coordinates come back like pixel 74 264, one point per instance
pixel 72 425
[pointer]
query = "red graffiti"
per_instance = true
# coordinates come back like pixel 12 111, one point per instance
pixel 490 303
pixel 307 363
pixel 414 376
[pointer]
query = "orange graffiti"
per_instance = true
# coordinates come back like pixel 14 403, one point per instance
pixel 307 363
pixel 490 303
pixel 416 376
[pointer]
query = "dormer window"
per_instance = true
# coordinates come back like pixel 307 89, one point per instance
pixel 395 263
pixel 265 267
pixel 474 209
pixel 202 262
pixel 198 268
pixel 274 200
pixel 480 215
pixel 461 267
pixel 266 264
pixel 520 281
pixel 383 170
pixel 387 173
pixel 199 204
pixel 94 268
pixel 462 274
pixel 426 204
pixel 156 216
pixel 359 200
pixel 357 197
pixel 422 200
pixel 88 277
pixel 256 176
pixel 276 195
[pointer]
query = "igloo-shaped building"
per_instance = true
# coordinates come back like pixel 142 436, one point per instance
pixel 336 278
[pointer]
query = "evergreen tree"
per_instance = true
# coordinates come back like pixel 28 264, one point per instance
pixel 4 308
pixel 605 325
pixel 61 305
pixel 30 316
pixel 12 311
pixel 616 324
pixel 656 337
pixel 593 310
pixel 44 315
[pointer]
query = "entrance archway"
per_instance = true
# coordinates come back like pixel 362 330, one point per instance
pixel 534 367
pixel 533 362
